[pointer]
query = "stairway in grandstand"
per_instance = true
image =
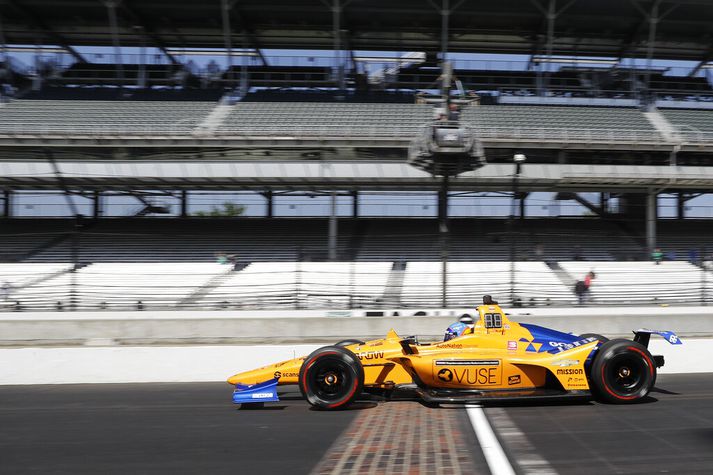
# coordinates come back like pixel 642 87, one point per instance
pixel 214 119
pixel 394 284
pixel 209 286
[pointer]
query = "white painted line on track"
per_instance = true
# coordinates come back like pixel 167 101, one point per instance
pixel 493 452
pixel 528 459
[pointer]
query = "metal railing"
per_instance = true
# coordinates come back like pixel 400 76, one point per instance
pixel 535 286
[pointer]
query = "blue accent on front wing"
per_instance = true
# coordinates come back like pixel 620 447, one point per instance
pixel 261 392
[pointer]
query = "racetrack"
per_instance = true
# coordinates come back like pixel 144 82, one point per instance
pixel 193 428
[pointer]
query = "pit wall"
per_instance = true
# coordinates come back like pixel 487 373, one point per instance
pixel 265 327
pixel 132 364
pixel 124 347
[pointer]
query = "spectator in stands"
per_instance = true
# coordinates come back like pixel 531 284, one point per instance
pixel 540 251
pixel 577 253
pixel 453 113
pixel 580 290
pixel 581 287
pixel 588 280
pixel 657 255
pixel 221 258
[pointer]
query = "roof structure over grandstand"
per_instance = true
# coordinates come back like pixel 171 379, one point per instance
pixel 613 28
pixel 227 175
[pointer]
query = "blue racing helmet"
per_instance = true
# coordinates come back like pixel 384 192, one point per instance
pixel 456 329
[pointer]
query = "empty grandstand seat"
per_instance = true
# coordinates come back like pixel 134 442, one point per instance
pixel 82 117
pixel 595 121
pixel 302 285
pixel 120 286
pixel 469 281
pixel 324 119
pixel 691 124
pixel 621 283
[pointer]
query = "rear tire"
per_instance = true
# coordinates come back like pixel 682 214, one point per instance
pixel 599 337
pixel 623 372
pixel 331 378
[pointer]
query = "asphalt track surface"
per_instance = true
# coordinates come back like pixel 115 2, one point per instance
pixel 193 428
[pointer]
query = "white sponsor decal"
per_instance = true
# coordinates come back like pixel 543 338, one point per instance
pixel 564 363
pixel 261 395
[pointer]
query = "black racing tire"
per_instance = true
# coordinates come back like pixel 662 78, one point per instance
pixel 623 372
pixel 331 378
pixel 599 337
pixel 349 342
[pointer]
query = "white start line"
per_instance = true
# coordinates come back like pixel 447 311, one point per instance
pixel 495 455
pixel 492 450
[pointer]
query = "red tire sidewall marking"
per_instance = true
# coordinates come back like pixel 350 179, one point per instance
pixel 309 365
pixel 604 381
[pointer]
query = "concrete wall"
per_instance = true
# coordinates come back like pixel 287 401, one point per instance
pixel 138 328
pixel 216 363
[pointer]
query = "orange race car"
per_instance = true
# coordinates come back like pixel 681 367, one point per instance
pixel 493 358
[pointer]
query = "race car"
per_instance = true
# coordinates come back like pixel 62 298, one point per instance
pixel 493 359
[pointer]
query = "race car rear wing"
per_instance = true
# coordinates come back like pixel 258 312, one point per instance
pixel 643 335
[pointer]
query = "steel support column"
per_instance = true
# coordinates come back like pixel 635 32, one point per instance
pixel 444 233
pixel 7 204
pixel 445 17
pixel 651 204
pixel 184 204
pixel 4 58
pixel 551 17
pixel 97 204
pixel 445 69
pixel 355 204
pixel 332 243
pixel 225 7
pixel 653 24
pixel 511 228
pixel 269 208
pixel 337 7
pixel 114 27
pixel 680 205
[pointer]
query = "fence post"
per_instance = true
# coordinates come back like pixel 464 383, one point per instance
pixel 298 283
pixel 704 278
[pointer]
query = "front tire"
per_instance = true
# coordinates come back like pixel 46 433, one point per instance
pixel 623 372
pixel 331 378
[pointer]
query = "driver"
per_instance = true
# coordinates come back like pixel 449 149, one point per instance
pixel 461 327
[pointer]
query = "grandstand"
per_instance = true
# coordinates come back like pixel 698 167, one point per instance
pixel 593 108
